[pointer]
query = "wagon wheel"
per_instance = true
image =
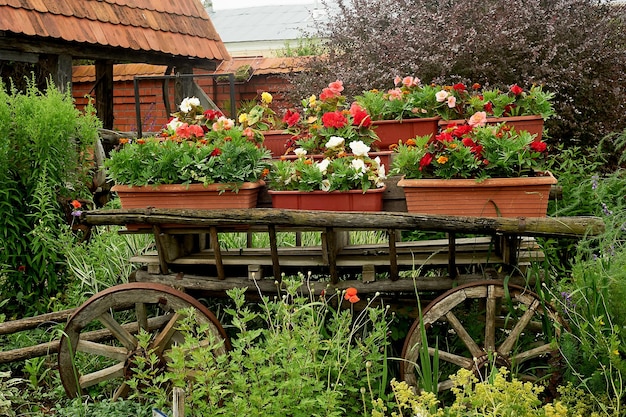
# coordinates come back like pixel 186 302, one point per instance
pixel 477 325
pixel 120 311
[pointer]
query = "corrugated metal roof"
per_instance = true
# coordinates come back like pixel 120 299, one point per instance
pixel 177 27
pixel 266 23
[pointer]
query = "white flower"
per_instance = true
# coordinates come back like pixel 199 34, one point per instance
pixel 359 165
pixel 174 124
pixel 300 153
pixel 451 101
pixel 441 96
pixel 381 172
pixel 323 165
pixel 359 148
pixel 335 141
pixel 326 185
pixel 188 103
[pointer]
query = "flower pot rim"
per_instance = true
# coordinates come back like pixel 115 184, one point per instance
pixel 192 187
pixel 276 132
pixel 546 177
pixel 406 120
pixel 293 192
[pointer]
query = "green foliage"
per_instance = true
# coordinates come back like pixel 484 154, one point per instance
pixel 308 358
pixel 156 161
pixel 120 408
pixel 43 156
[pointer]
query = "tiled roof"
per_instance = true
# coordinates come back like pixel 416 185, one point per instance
pixel 177 27
pixel 126 72
pixel 121 72
pixel 262 65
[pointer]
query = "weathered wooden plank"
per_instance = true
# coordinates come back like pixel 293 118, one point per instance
pixel 531 226
pixel 33 322
pixel 212 284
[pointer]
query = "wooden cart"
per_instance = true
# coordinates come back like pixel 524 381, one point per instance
pixel 476 282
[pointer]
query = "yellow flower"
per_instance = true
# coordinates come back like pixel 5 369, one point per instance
pixel 442 160
pixel 312 99
pixel 616 352
pixel 266 97
pixel 243 117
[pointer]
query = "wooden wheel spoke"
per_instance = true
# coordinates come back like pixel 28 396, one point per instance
pixel 458 360
pixel 445 385
pixel 121 391
pixel 162 339
pixel 474 349
pixel 112 372
pixel 533 353
pixel 142 315
pixel 506 347
pixel 490 320
pixel 120 333
pixel 113 352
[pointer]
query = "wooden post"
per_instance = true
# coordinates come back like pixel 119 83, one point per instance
pixel 104 93
pixel 178 402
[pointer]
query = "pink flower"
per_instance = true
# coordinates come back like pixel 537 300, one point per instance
pixel 410 81
pixel 196 130
pixel 397 80
pixel 395 94
pixel 336 87
pixel 441 96
pixel 451 101
pixel 478 119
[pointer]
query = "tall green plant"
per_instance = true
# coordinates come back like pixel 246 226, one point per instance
pixel 43 156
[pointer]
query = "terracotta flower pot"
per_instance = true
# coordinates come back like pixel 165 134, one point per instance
pixel 531 124
pixel 275 140
pixel 493 197
pixel 391 131
pixel 353 200
pixel 192 196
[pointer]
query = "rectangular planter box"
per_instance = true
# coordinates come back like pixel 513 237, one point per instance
pixel 493 197
pixel 391 131
pixel 353 200
pixel 192 196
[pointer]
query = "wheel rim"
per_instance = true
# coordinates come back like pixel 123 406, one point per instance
pixel 121 310
pixel 477 325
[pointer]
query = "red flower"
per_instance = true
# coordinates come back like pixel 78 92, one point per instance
pixel 216 152
pixel 461 130
pixel 334 119
pixel 476 86
pixel 212 114
pixel 426 160
pixel 489 107
pixel 516 89
pixel 360 116
pixel 21 268
pixel 445 137
pixel 459 87
pixel 196 131
pixel 538 146
pixel 76 204
pixel 291 118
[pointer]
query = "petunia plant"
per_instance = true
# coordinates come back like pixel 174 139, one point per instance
pixel 337 171
pixel 472 150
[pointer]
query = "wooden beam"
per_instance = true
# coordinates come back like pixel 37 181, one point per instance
pixel 104 93
pixel 6 55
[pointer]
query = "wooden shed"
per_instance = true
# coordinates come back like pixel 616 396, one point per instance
pixel 175 33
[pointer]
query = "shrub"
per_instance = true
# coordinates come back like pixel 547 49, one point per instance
pixel 42 159
pixel 489 42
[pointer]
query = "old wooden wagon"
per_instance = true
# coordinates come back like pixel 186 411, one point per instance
pixel 474 278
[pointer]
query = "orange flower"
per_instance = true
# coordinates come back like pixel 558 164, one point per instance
pixel 410 142
pixel 393 146
pixel 308 161
pixel 265 173
pixel 351 296
pixel 141 141
pixel 76 204
pixel 123 141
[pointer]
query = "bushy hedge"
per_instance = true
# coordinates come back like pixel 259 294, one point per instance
pixel 576 48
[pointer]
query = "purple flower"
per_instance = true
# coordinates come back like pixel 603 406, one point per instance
pixel 594 182
pixel 606 210
pixel 76 213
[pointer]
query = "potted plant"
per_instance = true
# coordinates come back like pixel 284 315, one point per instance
pixel 199 154
pixel 474 170
pixel 524 109
pixel 265 124
pixel 328 116
pixel 340 181
pixel 410 109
